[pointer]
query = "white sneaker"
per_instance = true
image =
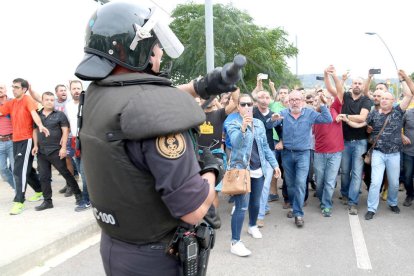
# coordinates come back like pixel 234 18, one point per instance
pixel 239 249
pixel 255 232
pixel 232 209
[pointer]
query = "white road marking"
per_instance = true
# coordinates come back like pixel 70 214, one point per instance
pixel 361 251
pixel 59 259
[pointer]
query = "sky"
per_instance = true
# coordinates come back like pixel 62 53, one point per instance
pixel 43 40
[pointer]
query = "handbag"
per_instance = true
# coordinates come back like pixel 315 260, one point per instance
pixel 236 181
pixel 368 155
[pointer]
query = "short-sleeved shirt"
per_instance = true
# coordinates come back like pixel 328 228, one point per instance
pixel 177 180
pixel 276 107
pixel 6 127
pixel 390 140
pixel 212 129
pixel 22 121
pixel 408 123
pixel 354 107
pixel 329 137
pixel 72 114
pixel 61 106
pixel 54 123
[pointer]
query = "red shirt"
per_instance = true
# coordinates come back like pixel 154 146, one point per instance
pixel 5 124
pixel 328 137
pixel 21 117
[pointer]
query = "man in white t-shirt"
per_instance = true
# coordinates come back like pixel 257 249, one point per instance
pixel 72 112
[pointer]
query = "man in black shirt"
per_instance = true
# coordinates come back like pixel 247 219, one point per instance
pixel 51 150
pixel 355 109
pixel 211 131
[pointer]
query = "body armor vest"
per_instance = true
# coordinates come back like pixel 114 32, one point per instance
pixel 125 202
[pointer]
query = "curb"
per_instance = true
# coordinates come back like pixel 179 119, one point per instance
pixel 37 257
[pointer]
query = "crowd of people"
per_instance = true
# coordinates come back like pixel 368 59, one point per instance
pixel 311 137
pixel 296 137
pixel 41 125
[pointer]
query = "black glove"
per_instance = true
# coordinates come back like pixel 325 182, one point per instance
pixel 212 84
pixel 210 163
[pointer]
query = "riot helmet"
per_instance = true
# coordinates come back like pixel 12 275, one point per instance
pixel 124 33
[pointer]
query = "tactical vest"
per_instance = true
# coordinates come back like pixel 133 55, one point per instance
pixel 125 203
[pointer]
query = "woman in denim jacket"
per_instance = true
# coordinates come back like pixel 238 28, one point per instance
pixel 249 149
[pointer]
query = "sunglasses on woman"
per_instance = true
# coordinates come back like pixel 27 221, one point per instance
pixel 246 104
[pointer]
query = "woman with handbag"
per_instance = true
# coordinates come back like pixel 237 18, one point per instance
pixel 248 157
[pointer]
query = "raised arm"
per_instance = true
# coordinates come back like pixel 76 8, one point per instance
pixel 273 89
pixel 367 83
pixel 259 87
pixel 408 89
pixel 35 95
pixel 327 80
pixel 233 102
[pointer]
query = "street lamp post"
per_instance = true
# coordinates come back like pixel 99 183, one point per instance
pixel 396 67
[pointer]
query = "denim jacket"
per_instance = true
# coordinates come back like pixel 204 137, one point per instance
pixel 242 144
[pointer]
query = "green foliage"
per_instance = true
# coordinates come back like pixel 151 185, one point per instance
pixel 234 33
pixel 412 76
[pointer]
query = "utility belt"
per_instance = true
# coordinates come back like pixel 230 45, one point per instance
pixel 5 138
pixel 192 248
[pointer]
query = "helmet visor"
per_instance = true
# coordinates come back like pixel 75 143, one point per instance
pixel 168 40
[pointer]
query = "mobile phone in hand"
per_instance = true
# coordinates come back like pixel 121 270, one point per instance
pixel 249 111
pixel 374 71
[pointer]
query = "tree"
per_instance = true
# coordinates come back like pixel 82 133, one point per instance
pixel 412 76
pixel 234 33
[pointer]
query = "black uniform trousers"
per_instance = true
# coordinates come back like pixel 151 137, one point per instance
pixel 23 170
pixel 45 173
pixel 120 258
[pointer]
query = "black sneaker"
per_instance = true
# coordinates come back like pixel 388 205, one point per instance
pixel 68 192
pixel 395 209
pixel 369 215
pixel 82 207
pixel 408 201
pixel 63 190
pixel 45 205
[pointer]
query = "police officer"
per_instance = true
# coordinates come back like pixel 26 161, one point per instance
pixel 143 176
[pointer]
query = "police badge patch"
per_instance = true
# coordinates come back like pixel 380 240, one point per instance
pixel 171 146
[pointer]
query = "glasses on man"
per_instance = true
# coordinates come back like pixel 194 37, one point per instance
pixel 16 87
pixel 246 104
pixel 294 100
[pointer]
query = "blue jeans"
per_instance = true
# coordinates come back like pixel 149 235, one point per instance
pixel 296 166
pixel 351 169
pixel 408 174
pixel 242 202
pixel 79 167
pixel 264 206
pixel 326 166
pixel 391 163
pixel 6 151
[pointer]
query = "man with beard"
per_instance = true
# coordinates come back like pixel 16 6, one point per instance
pixel 72 107
pixel 263 113
pixel 386 125
pixel 355 108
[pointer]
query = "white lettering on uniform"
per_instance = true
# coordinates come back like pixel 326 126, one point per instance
pixel 104 217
